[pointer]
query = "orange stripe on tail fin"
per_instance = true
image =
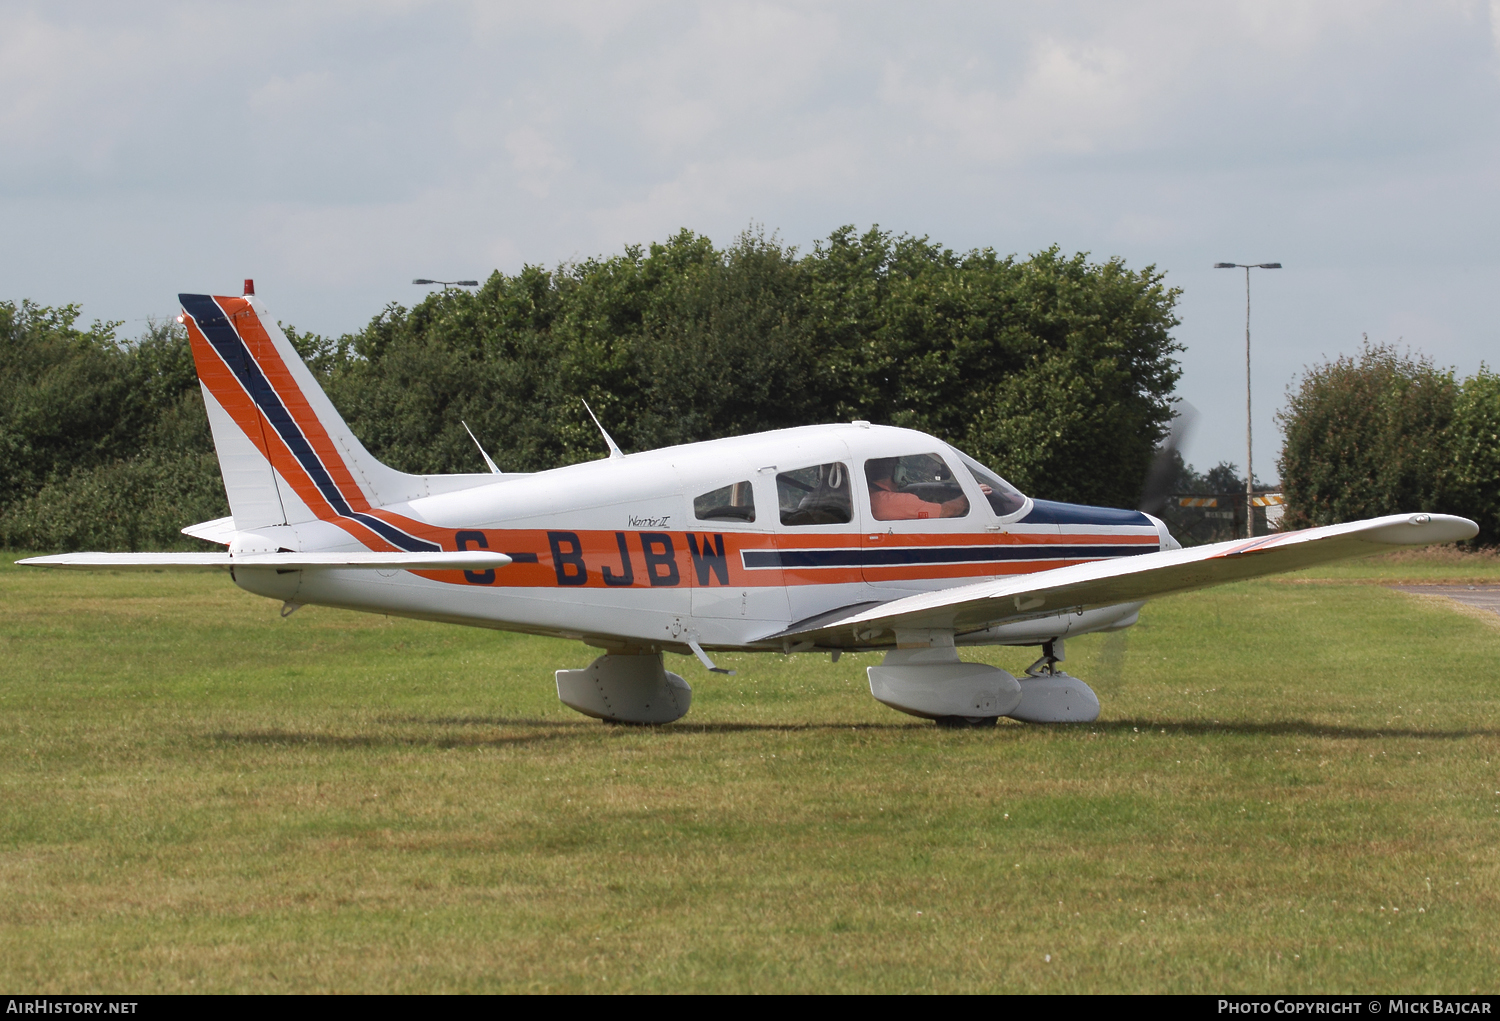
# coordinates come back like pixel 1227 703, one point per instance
pixel 286 453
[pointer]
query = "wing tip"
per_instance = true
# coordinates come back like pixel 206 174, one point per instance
pixel 1424 530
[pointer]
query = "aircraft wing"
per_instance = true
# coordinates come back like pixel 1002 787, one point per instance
pixel 468 560
pixel 1133 579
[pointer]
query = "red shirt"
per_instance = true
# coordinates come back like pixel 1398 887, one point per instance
pixel 888 505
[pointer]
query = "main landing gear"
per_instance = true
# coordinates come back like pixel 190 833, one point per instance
pixel 923 676
pixel 966 722
pixel 626 689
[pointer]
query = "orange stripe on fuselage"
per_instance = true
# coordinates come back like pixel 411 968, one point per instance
pixel 583 555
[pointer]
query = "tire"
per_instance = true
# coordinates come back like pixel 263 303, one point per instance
pixel 966 722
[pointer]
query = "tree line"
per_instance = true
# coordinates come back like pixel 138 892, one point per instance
pixel 1055 369
pixel 1385 432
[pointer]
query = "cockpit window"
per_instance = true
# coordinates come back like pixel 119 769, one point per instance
pixel 1003 497
pixel 815 496
pixel 732 503
pixel 912 487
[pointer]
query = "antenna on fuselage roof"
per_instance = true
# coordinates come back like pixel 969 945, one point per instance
pixel 614 448
pixel 482 454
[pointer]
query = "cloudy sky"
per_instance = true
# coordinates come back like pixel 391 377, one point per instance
pixel 335 151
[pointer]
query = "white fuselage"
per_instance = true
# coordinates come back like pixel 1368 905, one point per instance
pixel 613 552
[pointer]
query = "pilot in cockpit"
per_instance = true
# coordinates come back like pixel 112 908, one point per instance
pixel 912 487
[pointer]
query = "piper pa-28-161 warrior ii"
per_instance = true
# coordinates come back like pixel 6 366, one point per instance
pixel 829 538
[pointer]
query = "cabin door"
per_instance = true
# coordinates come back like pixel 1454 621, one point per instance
pixel 923 528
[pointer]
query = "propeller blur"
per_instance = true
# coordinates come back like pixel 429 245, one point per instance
pixel 825 538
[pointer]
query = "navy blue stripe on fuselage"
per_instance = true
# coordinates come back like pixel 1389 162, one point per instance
pixel 227 342
pixel 925 556
pixel 1050 512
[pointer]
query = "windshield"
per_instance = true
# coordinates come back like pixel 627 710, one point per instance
pixel 1003 497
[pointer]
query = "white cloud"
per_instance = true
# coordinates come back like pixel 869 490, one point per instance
pixel 535 159
pixel 1070 99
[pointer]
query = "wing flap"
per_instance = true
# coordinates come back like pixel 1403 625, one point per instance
pixel 468 560
pixel 1147 576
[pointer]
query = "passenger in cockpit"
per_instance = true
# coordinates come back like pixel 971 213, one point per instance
pixel 913 487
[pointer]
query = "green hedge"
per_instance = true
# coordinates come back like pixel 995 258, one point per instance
pixel 104 443
pixel 1383 432
pixel 1057 370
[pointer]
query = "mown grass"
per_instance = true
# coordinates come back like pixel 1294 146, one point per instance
pixel 1440 565
pixel 1293 788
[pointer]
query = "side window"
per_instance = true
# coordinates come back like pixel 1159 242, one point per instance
pixel 1003 497
pixel 732 503
pixel 914 486
pixel 815 496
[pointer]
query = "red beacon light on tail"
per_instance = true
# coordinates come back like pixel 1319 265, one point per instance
pixel 249 293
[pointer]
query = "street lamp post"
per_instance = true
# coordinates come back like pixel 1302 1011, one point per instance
pixel 1249 446
pixel 447 283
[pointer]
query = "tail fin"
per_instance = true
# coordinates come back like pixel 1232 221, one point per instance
pixel 286 455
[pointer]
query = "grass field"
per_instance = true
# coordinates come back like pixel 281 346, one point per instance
pixel 1294 787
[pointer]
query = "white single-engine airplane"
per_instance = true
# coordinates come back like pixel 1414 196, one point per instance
pixel 832 538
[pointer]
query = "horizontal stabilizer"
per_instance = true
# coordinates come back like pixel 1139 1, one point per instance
pixel 219 530
pixel 1100 583
pixel 468 560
